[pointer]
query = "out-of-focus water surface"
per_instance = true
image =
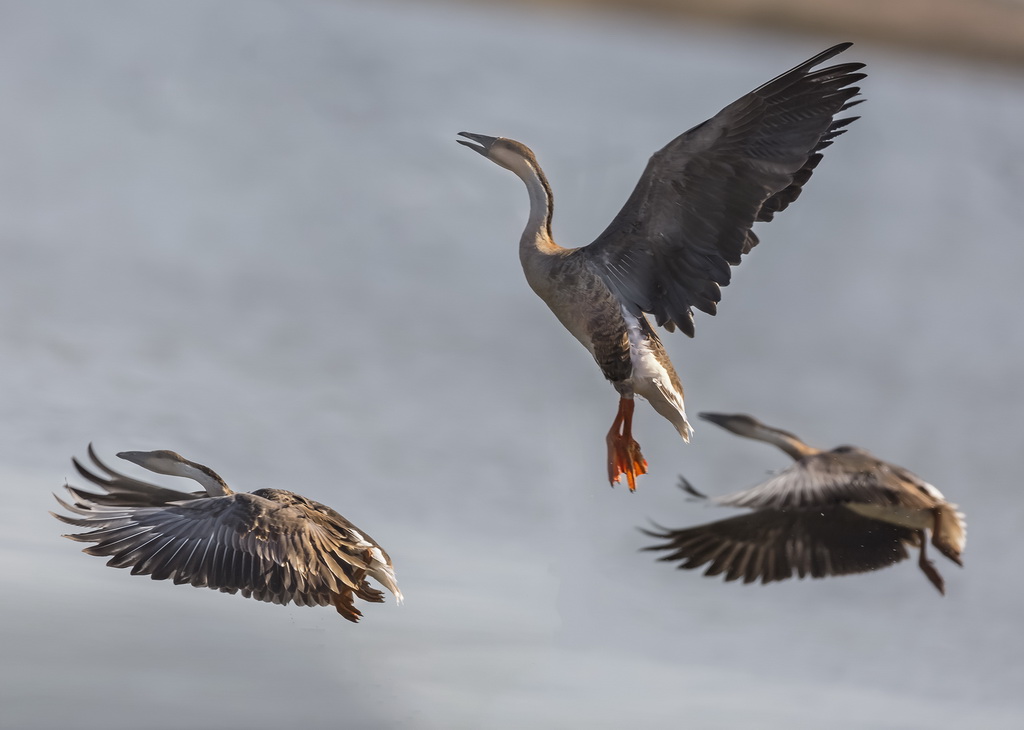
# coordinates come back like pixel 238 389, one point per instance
pixel 243 231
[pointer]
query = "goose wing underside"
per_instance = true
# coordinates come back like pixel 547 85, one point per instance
pixel 772 545
pixel 689 218
pixel 274 552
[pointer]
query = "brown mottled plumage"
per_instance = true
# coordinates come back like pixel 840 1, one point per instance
pixel 271 545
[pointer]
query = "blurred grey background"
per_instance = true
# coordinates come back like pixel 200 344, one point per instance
pixel 244 231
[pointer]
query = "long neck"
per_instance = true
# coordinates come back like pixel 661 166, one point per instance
pixel 207 477
pixel 784 440
pixel 542 204
pixel 538 253
pixel 537 234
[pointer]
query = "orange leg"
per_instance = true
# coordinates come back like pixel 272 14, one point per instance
pixel 624 455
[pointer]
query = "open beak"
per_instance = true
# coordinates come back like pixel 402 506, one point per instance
pixel 480 142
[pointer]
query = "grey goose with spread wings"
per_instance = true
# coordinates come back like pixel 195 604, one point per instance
pixel 832 512
pixel 687 221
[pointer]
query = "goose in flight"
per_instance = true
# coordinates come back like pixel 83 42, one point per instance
pixel 832 513
pixel 271 545
pixel 670 247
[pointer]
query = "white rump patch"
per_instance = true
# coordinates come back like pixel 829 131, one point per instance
pixel 932 491
pixel 652 381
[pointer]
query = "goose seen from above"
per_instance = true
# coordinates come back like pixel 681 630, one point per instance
pixel 271 545
pixel 832 512
pixel 687 221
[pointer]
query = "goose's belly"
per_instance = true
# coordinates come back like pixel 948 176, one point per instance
pixel 632 359
pixel 590 313
pixel 603 326
pixel 915 519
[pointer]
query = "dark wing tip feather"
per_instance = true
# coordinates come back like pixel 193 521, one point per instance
pixel 685 485
pixel 98 462
pixel 103 481
pixel 685 324
pixel 659 532
pixel 86 474
pixel 804 69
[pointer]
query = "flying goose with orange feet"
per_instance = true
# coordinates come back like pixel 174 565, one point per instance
pixel 670 248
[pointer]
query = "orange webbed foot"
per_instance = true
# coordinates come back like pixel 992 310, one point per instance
pixel 624 455
pixel 624 458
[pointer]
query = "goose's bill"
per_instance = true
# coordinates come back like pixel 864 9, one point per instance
pixel 480 142
pixel 136 457
pixel 719 419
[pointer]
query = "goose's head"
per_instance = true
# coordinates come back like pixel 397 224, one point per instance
pixel 175 465
pixel 508 153
pixel 161 461
pixel 739 423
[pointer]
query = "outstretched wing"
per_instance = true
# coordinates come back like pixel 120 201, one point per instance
pixel 831 478
pixel 274 551
pixel 689 218
pixel 772 545
pixel 124 490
